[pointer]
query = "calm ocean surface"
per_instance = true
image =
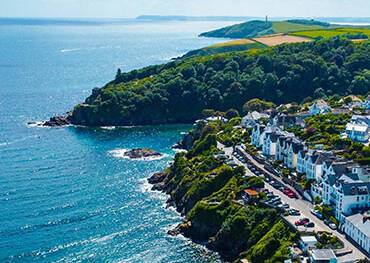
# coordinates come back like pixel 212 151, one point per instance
pixel 64 197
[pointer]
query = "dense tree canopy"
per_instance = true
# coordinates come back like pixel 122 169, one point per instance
pixel 178 91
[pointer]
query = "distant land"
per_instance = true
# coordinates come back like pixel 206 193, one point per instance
pixel 194 18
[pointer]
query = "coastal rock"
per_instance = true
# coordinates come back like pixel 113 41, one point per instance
pixel 157 178
pixel 159 186
pixel 57 121
pixel 174 232
pixel 139 153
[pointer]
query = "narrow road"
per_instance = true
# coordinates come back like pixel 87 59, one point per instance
pixel 302 205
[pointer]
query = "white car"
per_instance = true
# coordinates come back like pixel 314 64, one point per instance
pixel 333 226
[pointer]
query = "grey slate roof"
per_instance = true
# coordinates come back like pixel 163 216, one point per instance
pixel 358 220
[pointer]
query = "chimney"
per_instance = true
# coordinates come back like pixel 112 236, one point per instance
pixel 366 216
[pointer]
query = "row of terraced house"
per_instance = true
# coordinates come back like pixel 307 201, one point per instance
pixel 341 184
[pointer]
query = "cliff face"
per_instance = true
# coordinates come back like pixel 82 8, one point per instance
pixel 206 191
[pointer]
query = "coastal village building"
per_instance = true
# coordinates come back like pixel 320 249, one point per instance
pixel 257 135
pixel 358 129
pixel 340 184
pixel 319 107
pixel 357 227
pixel 322 256
pixel 366 104
pixel 288 148
pixel 252 118
pixel 342 188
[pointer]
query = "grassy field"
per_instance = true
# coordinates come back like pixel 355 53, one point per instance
pixel 286 27
pixel 328 33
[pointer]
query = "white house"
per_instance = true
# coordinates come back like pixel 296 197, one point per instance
pixel 307 242
pixel 301 161
pixel 359 132
pixel 319 107
pixel 350 195
pixel 313 163
pixel 357 227
pixel 342 189
pixel 252 118
pixel 269 142
pixel 295 146
pixel 257 135
pixel 358 129
pixel 322 256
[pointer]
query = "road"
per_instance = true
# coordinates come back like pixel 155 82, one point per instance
pixel 304 207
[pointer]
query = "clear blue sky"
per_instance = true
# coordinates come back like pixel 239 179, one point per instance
pixel 132 8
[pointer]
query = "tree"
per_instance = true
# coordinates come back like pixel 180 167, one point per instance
pixel 208 113
pixel 257 105
pixel 232 113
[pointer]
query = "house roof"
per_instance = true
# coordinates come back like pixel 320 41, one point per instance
pixel 308 239
pixel 360 127
pixel 356 188
pixel 361 119
pixel 322 254
pixel 251 192
pixel 361 222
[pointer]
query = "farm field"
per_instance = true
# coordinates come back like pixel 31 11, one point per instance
pixel 275 40
pixel 286 27
pixel 238 42
pixel 328 33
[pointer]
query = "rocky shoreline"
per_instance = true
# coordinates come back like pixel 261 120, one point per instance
pixel 139 153
pixel 56 121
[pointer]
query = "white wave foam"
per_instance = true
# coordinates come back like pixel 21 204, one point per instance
pixel 36 124
pixel 108 127
pixel 2 144
pixel 70 50
pixel 120 154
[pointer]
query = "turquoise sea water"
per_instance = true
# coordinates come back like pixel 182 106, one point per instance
pixel 64 195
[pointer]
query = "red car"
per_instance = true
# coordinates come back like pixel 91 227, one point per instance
pixel 302 221
pixel 292 195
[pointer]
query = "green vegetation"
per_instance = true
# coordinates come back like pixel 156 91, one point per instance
pixel 328 240
pixel 206 191
pixel 244 30
pixel 324 131
pixel 178 92
pixel 258 28
pixel 274 246
pixel 230 46
pixel 350 33
pixel 257 105
pixel 293 25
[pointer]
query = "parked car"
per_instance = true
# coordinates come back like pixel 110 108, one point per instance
pixel 302 221
pixel 294 212
pixel 292 195
pixel 309 224
pixel 333 226
pixel 286 206
pixel 316 213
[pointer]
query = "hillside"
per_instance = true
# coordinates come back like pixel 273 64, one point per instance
pixel 258 28
pixel 178 91
pixel 230 46
pixel 206 191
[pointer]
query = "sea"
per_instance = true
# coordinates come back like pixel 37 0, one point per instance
pixel 67 194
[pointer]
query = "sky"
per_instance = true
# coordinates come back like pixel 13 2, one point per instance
pixel 133 8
